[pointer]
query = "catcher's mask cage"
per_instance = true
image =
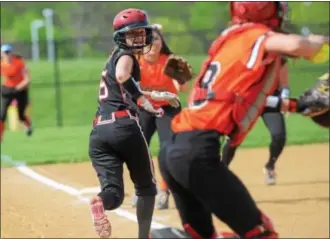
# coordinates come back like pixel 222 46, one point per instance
pixel 129 20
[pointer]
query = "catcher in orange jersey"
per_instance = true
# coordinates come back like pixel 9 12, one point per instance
pixel 228 97
pixel 154 67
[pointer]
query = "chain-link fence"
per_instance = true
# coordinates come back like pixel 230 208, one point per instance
pixel 64 91
pixel 182 43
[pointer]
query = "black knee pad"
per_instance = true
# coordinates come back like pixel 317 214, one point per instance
pixel 112 198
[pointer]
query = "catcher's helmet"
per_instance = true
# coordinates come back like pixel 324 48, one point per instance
pixel 127 20
pixel 269 13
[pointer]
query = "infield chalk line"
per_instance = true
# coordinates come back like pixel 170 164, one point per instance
pixel 22 168
pixel 89 190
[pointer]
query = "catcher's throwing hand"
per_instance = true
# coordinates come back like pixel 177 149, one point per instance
pixel 178 69
pixel 146 105
pixel 172 99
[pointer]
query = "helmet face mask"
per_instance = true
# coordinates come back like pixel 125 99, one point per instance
pixel 134 38
pixel 132 30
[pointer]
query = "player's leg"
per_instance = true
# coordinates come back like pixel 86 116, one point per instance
pixel 164 134
pixel 195 218
pixel 275 123
pixel 217 187
pixel 22 104
pixel 229 199
pixel 109 169
pixel 147 122
pixel 135 153
pixel 5 103
pixel 228 153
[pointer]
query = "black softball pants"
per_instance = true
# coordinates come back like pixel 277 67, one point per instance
pixel 22 98
pixel 201 184
pixel 113 142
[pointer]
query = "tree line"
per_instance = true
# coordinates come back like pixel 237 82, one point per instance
pixel 185 24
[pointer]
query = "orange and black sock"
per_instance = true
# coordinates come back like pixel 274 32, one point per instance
pixel 162 185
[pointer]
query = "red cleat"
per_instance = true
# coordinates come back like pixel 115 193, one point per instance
pixel 102 225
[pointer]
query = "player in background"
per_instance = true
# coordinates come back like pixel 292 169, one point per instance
pixel 15 86
pixel 273 119
pixel 116 137
pixel 229 95
pixel 152 78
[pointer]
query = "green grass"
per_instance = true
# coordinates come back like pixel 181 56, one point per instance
pixel 70 144
pixel 79 81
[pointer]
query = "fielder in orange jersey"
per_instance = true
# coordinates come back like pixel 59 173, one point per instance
pixel 15 86
pixel 153 79
pixel 228 97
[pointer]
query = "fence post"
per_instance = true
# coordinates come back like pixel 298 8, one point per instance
pixel 57 87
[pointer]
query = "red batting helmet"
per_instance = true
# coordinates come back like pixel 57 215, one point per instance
pixel 127 20
pixel 271 14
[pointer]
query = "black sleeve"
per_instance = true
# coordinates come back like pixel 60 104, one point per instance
pixel 112 62
pixel 130 85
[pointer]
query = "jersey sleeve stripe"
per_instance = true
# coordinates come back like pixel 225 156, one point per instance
pixel 255 52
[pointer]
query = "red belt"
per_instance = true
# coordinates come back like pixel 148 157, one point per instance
pixel 114 115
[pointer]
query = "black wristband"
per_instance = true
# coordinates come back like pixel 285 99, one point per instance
pixel 132 88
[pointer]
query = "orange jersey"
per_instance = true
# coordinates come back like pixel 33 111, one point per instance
pixel 13 72
pixel 152 78
pixel 231 90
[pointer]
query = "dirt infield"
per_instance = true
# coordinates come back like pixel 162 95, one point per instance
pixel 298 204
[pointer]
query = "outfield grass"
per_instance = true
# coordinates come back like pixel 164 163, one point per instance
pixel 70 144
pixel 80 79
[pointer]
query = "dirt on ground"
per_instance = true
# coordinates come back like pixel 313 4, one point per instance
pixel 298 204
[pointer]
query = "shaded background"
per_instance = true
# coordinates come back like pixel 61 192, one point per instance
pixel 64 92
pixel 84 29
